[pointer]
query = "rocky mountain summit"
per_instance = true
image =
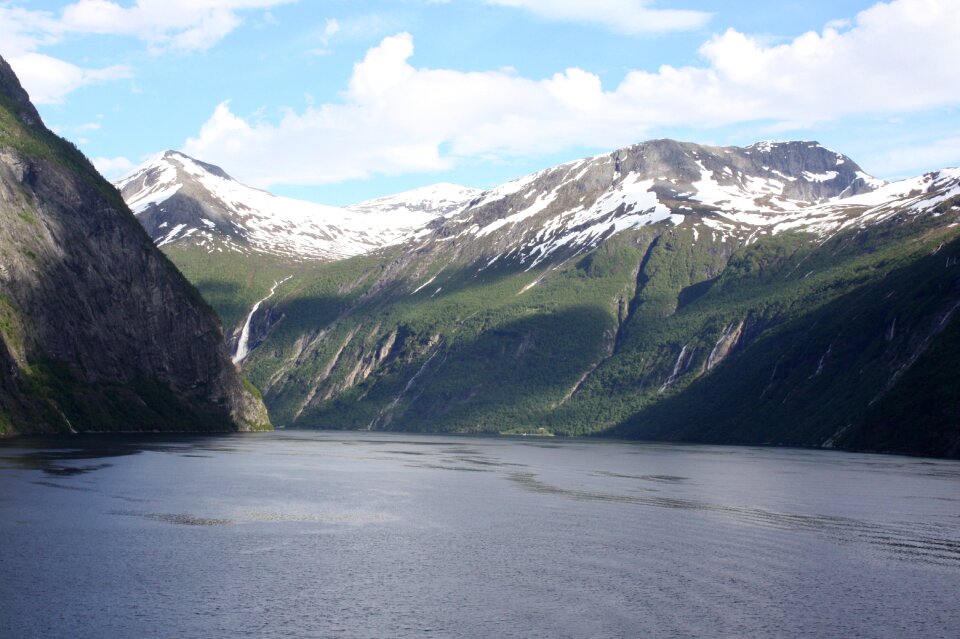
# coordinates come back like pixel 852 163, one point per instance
pixel 735 192
pixel 98 330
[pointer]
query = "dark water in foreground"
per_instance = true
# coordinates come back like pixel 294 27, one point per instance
pixel 358 535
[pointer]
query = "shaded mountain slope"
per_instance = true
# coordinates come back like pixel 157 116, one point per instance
pixel 866 362
pixel 99 331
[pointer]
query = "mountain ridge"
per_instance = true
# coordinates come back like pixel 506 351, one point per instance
pixel 667 169
pixel 180 199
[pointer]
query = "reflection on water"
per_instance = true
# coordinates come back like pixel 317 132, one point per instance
pixel 52 455
pixel 360 535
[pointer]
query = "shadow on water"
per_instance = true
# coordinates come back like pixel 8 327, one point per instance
pixel 57 456
pixel 67 471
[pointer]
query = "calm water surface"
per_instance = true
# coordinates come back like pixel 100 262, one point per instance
pixel 359 535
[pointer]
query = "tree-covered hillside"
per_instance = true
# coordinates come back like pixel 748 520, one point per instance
pixel 667 291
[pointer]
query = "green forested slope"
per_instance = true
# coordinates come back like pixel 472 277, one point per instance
pixel 790 340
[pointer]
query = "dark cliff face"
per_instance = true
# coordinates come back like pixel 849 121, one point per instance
pixel 98 331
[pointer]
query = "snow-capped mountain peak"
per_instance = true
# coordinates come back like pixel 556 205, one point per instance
pixel 181 199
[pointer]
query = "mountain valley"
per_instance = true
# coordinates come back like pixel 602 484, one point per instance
pixel 772 294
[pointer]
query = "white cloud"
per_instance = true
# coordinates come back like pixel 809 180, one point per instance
pixel 48 80
pixel 913 158
pixel 395 118
pixel 632 17
pixel 22 31
pixel 185 25
pixel 112 168
pixel 330 29
pixel 164 25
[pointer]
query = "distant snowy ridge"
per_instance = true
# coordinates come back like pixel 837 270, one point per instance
pixel 571 208
pixel 180 199
pixel 419 206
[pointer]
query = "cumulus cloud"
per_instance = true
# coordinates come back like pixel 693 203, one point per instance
pixel 395 118
pixel 632 17
pixel 164 25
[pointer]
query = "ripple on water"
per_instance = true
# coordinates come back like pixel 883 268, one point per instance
pixel 663 479
pixel 52 484
pixel 900 542
pixel 327 534
pixel 175 518
pixel 259 516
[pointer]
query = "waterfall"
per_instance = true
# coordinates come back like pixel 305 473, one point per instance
pixel 243 346
pixel 678 369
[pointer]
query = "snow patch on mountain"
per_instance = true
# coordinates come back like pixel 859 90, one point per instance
pixel 162 187
pixel 538 205
pixel 508 188
pixel 821 177
pixel 917 195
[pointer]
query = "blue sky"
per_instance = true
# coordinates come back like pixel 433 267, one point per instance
pixel 338 101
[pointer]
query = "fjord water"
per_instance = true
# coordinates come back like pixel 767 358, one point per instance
pixel 375 535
